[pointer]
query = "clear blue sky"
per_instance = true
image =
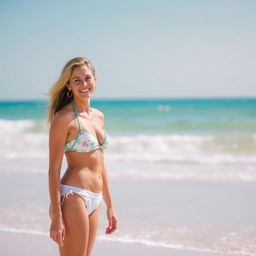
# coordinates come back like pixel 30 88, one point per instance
pixel 141 49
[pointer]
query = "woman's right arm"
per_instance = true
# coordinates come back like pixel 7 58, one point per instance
pixel 57 138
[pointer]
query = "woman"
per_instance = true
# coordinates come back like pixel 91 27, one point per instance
pixel 78 130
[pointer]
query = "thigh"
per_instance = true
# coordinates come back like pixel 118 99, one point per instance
pixel 76 225
pixel 94 223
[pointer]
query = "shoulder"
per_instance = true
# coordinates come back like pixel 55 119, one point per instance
pixel 63 117
pixel 99 114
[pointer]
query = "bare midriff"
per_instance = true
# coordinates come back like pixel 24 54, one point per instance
pixel 84 170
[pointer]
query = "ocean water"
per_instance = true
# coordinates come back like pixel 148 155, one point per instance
pixel 182 171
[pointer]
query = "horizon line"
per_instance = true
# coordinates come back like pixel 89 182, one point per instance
pixel 140 98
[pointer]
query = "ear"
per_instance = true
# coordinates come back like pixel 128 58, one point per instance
pixel 68 86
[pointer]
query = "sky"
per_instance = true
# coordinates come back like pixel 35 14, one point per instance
pixel 140 49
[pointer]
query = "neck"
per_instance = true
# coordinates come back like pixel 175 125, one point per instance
pixel 82 105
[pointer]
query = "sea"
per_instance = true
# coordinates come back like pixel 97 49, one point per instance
pixel 182 171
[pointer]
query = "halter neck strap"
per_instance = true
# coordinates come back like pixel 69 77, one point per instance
pixel 76 113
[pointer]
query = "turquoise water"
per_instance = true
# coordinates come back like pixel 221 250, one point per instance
pixel 189 116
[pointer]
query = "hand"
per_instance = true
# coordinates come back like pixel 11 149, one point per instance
pixel 112 221
pixel 57 231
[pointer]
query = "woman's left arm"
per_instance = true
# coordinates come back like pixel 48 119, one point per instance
pixel 111 215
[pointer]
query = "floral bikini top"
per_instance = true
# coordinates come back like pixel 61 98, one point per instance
pixel 85 141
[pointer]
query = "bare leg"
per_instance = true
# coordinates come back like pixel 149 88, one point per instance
pixel 94 223
pixel 77 227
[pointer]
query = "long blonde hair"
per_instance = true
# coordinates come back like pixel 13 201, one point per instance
pixel 58 92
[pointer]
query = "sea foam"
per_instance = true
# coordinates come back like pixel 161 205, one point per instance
pixel 218 157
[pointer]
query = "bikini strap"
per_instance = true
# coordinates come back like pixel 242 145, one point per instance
pixel 74 108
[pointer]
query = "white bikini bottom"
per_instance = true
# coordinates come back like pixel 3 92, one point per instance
pixel 91 199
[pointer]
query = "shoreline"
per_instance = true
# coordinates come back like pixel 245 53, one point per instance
pixel 23 244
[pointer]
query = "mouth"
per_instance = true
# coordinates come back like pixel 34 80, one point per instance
pixel 84 91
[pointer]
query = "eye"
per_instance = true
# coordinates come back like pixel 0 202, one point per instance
pixel 88 78
pixel 77 81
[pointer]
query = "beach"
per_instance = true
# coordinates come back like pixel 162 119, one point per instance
pixel 26 244
pixel 182 175
pixel 24 220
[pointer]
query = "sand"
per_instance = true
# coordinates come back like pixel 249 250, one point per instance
pixel 21 244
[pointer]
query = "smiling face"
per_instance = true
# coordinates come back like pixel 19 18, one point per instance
pixel 82 82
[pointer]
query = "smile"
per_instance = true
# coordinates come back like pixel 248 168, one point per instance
pixel 84 90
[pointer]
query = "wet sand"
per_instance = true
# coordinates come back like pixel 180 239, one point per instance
pixel 20 244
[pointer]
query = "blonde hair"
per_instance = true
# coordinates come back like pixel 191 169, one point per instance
pixel 58 92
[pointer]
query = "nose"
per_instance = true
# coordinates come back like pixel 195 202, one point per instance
pixel 83 82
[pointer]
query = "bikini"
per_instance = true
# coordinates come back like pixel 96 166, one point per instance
pixel 85 141
pixel 91 200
